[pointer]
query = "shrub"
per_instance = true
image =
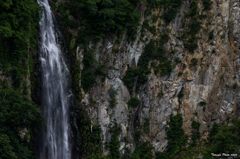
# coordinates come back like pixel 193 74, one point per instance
pixel 154 18
pixel 194 62
pixel 234 85
pixel 175 136
pixel 112 93
pixel 210 35
pixel 18 113
pixel 180 95
pixel 171 8
pixel 207 4
pixel 133 102
pixel 177 60
pixel 152 29
pixel 180 73
pixel 202 103
pixel 146 126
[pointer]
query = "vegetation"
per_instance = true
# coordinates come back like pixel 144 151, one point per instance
pixel 146 126
pixel 175 136
pixel 207 4
pixel 98 18
pixel 195 132
pixel 202 103
pixel 180 95
pixel 224 139
pixel 171 8
pixel 134 102
pixel 194 62
pixel 235 85
pixel 114 143
pixel 210 36
pixel 18 114
pixel 112 93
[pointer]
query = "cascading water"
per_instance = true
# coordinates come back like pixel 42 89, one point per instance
pixel 55 143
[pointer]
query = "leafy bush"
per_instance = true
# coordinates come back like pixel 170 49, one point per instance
pixel 99 18
pixel 190 46
pixel 17 113
pixel 114 143
pixel 175 136
pixel 207 4
pixel 133 102
pixel 224 139
pixel 180 73
pixel 202 103
pixel 146 126
pixel 154 18
pixel 195 132
pixel 194 62
pixel 171 8
pixel 180 95
pixel 210 36
pixel 112 93
pixel 234 85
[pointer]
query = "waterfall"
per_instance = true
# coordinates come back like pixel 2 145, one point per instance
pixel 55 143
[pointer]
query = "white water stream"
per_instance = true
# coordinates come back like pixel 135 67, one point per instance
pixel 55 143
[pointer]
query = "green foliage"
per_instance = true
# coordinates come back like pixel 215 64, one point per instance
pixel 87 75
pixel 133 102
pixel 202 103
pixel 224 139
pixel 146 126
pixel 180 95
pixel 235 85
pixel 112 93
pixel 180 73
pixel 190 46
pixel 18 29
pixel 171 8
pixel 99 18
pixel 175 136
pixel 143 151
pixel 214 130
pixel 114 143
pixel 195 132
pixel 177 60
pixel 17 113
pixel 152 29
pixel 194 28
pixel 131 75
pixel 207 4
pixel 194 62
pixel 154 18
pixel 194 8
pixel 210 35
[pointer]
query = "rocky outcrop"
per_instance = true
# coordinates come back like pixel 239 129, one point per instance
pixel 210 86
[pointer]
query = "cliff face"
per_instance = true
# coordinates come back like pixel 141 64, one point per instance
pixel 202 86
